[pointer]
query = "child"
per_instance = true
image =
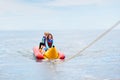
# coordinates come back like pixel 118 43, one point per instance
pixel 43 40
pixel 49 42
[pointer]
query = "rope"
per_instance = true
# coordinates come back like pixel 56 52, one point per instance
pixel 93 42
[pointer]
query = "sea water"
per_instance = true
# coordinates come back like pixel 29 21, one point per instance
pixel 101 61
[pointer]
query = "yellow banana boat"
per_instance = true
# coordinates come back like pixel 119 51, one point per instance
pixel 51 54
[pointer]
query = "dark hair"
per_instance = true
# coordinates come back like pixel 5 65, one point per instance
pixel 50 35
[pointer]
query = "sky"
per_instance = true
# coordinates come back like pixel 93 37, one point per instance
pixel 58 14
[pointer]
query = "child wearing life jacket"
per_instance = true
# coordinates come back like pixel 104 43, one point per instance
pixel 49 42
pixel 44 38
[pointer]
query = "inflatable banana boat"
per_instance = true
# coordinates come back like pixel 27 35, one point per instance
pixel 51 54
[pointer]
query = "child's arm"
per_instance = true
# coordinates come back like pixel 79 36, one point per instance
pixel 46 44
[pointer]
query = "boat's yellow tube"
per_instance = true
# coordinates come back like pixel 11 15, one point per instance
pixel 51 53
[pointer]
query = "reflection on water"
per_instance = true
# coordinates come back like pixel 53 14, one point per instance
pixel 100 62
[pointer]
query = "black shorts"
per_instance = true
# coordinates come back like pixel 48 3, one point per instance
pixel 41 44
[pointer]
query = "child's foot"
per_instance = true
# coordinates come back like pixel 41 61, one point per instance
pixel 40 49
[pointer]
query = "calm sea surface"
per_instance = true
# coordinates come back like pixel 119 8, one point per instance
pixel 99 62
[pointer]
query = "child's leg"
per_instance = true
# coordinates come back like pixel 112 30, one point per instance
pixel 41 45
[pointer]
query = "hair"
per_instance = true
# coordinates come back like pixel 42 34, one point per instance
pixel 46 33
pixel 50 35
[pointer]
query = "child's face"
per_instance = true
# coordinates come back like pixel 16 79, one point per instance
pixel 50 37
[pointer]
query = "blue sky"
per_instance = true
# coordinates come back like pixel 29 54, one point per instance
pixel 58 14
